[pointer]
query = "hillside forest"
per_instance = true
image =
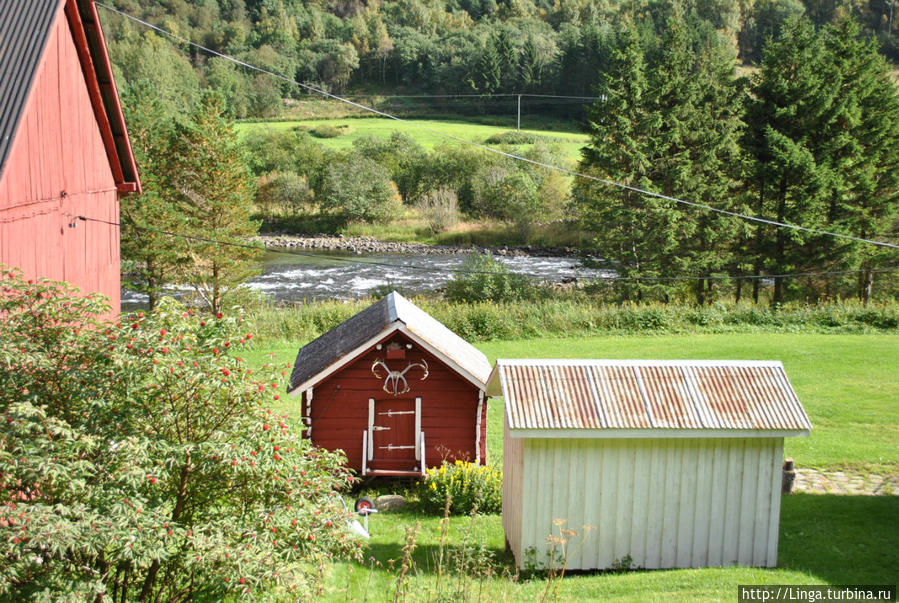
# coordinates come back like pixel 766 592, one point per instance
pixel 782 111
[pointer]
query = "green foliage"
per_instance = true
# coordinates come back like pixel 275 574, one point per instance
pixel 207 181
pixel 360 189
pixel 440 209
pixel 483 278
pixel 140 459
pixel 512 137
pixel 470 488
pixel 326 131
pixel 562 315
pixel 284 191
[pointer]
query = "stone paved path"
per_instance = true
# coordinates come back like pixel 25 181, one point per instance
pixel 845 482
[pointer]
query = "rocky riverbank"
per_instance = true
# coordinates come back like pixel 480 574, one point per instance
pixel 368 245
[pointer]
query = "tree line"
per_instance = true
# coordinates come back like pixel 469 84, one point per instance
pixel 810 139
pixel 441 47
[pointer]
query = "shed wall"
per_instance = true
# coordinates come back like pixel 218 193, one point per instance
pixel 667 503
pixel 513 470
pixel 448 409
pixel 58 169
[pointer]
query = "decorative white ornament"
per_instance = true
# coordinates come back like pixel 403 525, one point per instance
pixel 394 378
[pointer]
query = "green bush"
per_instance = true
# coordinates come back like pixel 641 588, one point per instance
pixel 470 487
pixel 482 278
pixel 512 137
pixel 326 131
pixel 140 459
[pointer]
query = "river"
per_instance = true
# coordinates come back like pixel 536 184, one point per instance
pixel 289 277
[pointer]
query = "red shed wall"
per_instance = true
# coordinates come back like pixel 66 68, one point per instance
pixel 449 406
pixel 57 169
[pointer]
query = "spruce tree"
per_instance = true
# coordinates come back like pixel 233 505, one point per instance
pixel 669 122
pixel 209 183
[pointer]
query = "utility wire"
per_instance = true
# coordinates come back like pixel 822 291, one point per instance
pixel 506 95
pixel 616 278
pixel 504 153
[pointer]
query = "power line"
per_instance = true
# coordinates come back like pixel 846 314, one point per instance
pixel 615 278
pixel 505 95
pixel 494 150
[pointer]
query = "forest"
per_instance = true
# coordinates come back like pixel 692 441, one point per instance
pixel 766 132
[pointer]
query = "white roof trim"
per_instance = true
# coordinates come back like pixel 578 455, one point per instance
pixel 654 433
pixel 396 325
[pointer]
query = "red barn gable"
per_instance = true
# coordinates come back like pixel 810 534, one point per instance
pixel 64 149
pixel 395 390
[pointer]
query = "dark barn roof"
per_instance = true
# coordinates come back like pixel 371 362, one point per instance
pixel 390 313
pixel 25 27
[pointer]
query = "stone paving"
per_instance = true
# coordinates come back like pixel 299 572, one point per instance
pixel 845 482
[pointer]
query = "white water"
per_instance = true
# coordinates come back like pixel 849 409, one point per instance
pixel 288 277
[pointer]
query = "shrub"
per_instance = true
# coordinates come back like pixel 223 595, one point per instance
pixel 482 278
pixel 512 137
pixel 470 487
pixel 440 209
pixel 326 131
pixel 280 191
pixel 140 460
pixel 361 190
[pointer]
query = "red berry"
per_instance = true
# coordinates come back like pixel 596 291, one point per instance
pixel 162 332
pixel 242 581
pixel 265 428
pixel 219 315
pixel 249 336
pixel 226 372
pixel 152 480
pixel 277 448
pixel 277 397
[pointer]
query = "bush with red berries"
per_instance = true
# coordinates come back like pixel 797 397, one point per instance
pixel 140 460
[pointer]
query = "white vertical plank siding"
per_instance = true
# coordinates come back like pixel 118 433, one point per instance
pixel 718 503
pixel 665 502
pixel 774 521
pixel 748 508
pixel 513 473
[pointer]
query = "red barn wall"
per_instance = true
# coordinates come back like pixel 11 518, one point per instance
pixel 57 169
pixel 449 406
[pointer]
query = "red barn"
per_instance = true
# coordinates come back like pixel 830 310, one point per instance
pixel 396 390
pixel 64 150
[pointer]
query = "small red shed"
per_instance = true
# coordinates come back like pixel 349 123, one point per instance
pixel 64 149
pixel 395 389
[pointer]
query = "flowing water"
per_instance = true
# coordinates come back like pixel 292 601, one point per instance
pixel 291 277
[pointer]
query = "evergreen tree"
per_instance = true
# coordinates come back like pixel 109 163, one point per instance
pixel 490 71
pixel 208 182
pixel 529 68
pixel 671 127
pixel 154 258
pixel 823 143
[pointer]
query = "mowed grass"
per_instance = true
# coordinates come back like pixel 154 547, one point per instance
pixel 848 384
pixel 824 539
pixel 428 133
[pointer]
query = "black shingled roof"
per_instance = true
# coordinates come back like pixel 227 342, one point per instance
pixel 320 353
pixel 24 28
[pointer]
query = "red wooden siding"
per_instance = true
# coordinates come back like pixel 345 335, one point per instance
pixel 448 407
pixel 58 169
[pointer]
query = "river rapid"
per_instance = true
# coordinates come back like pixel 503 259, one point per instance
pixel 294 276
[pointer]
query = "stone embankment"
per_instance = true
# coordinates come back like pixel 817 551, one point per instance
pixel 368 245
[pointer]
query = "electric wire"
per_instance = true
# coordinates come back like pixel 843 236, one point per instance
pixel 513 156
pixel 610 277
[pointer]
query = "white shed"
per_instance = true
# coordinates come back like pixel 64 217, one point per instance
pixel 672 463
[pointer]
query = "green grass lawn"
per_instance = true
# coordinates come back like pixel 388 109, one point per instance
pixel 848 384
pixel 428 133
pixel 824 539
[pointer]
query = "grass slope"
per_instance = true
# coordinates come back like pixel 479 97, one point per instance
pixel 427 133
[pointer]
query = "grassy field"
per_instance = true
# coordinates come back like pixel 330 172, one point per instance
pixel 427 133
pixel 848 384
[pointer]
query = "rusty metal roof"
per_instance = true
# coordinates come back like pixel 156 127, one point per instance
pixel 647 394
pixel 357 334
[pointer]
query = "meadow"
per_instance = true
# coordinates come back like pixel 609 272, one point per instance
pixel 849 386
pixel 428 133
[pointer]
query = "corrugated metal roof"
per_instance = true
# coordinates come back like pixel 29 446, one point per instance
pixel 384 316
pixel 24 29
pixel 647 394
